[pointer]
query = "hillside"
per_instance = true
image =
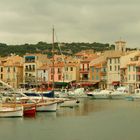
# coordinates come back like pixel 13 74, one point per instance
pixel 42 47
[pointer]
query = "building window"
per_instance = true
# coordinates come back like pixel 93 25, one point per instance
pixel 134 77
pixel 51 77
pixel 110 68
pixel 58 70
pixel 8 69
pixel 33 67
pixel 1 76
pixel 129 77
pixel 44 71
pixel 133 68
pixel 97 77
pixel 66 76
pixel 115 68
pixel 115 60
pixel 59 77
pixel 97 69
pixel 110 61
pixel 66 68
pixel 44 78
pixel 30 67
pixel 1 69
pixel 129 68
pixel 92 77
pixel 71 68
pixel 92 69
pixel 118 67
pixel 14 69
pixel 103 69
pixel 118 60
pixel 52 70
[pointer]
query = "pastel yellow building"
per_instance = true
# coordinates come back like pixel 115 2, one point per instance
pixel 31 63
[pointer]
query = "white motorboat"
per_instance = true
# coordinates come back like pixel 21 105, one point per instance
pixel 135 96
pixel 79 92
pixel 91 93
pixel 103 94
pixel 67 102
pixel 119 93
pixel 76 93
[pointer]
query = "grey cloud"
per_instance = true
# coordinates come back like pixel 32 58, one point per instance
pixel 74 20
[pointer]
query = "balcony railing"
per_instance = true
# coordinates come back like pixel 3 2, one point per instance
pixel 84 70
pixel 29 70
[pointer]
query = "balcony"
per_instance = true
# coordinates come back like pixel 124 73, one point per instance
pixel 29 70
pixel 138 78
pixel 138 72
pixel 84 70
pixel 29 61
pixel 30 79
pixel 103 73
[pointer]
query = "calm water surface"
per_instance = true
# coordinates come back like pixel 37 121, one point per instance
pixel 92 120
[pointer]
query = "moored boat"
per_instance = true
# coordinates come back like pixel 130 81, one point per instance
pixel 29 110
pixel 46 106
pixel 103 94
pixel 135 96
pixel 69 103
pixel 11 111
pixel 119 93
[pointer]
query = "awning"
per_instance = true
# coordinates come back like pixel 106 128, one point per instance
pixel 60 83
pixel 87 84
pixel 30 57
pixel 115 83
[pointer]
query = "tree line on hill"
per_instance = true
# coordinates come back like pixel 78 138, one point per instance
pixel 46 48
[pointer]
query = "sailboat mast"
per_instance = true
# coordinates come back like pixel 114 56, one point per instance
pixel 53 57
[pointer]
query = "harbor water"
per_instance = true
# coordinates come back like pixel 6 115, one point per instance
pixel 92 120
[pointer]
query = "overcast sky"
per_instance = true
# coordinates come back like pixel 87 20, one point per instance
pixel 104 21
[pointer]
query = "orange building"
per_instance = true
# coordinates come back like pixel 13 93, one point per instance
pixel 11 70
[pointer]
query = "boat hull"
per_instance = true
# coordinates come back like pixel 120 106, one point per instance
pixel 118 96
pixel 69 103
pixel 11 112
pixel 52 107
pixel 29 111
pixel 101 96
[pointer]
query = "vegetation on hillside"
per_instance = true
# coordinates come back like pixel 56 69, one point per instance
pixel 46 48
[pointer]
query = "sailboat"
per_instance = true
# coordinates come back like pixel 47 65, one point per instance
pixel 11 110
pixel 44 103
pixel 64 102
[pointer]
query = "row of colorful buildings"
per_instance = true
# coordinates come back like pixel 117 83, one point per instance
pixel 107 69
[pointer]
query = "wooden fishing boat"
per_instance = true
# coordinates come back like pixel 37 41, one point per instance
pixel 10 111
pixel 46 106
pixel 29 110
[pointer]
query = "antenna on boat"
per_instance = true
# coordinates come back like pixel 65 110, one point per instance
pixel 53 56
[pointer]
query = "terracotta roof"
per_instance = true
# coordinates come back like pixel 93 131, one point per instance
pixel 34 54
pixel 113 53
pixel 44 67
pixel 99 60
